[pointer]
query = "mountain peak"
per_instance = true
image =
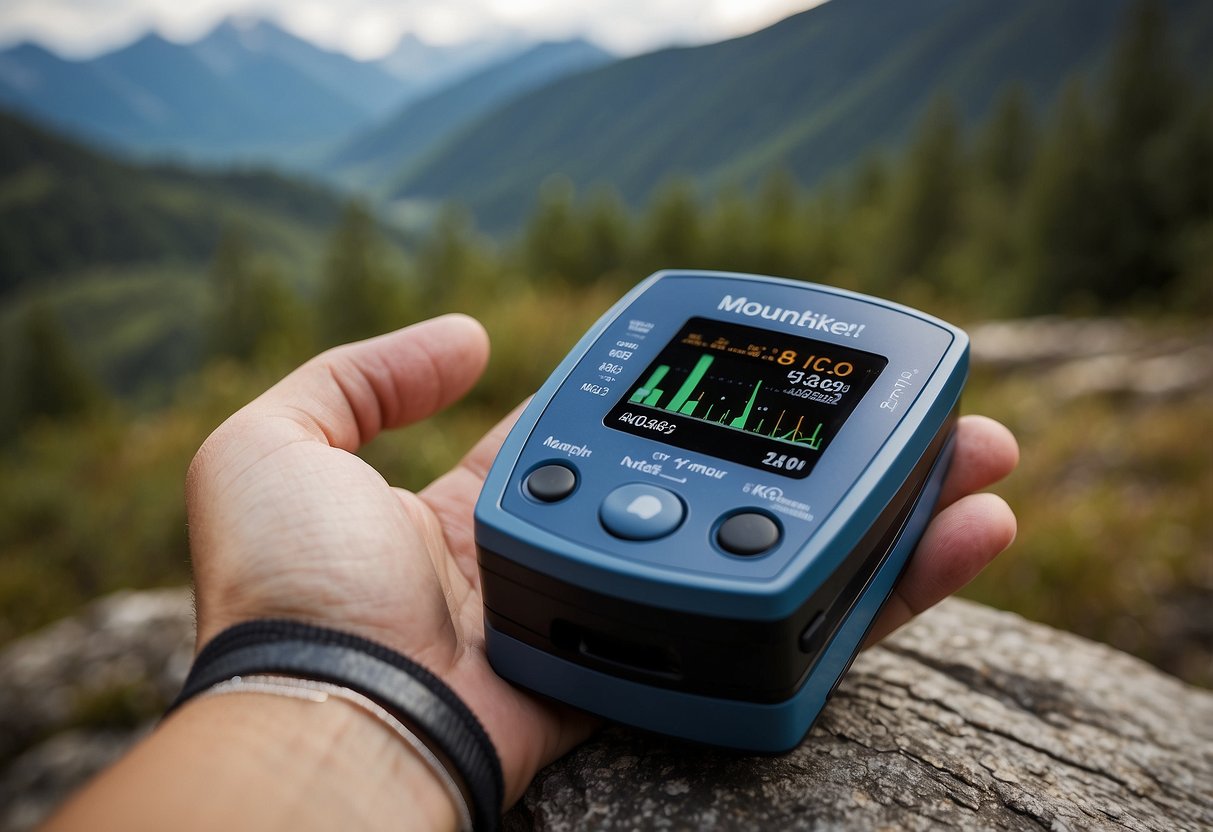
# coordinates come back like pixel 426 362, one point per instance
pixel 431 65
pixel 151 45
pixel 152 40
pixel 27 50
pixel 249 31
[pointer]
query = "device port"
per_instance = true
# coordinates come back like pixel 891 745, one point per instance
pixel 619 653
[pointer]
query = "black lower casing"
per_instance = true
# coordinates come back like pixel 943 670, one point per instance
pixel 760 661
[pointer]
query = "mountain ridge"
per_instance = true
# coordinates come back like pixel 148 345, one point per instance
pixel 811 94
pixel 245 90
pixel 65 206
pixel 381 153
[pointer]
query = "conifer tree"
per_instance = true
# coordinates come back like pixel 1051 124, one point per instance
pixel 232 328
pixel 777 237
pixel 253 308
pixel 674 231
pixel 607 233
pixel 552 242
pixel 730 231
pixel 870 186
pixel 1006 144
pixel 447 259
pixel 1066 226
pixel 50 381
pixel 1144 99
pixel 925 205
pixel 360 295
pixel 818 240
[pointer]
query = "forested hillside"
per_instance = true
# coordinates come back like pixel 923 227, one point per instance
pixel 383 154
pixel 812 94
pixel 64 207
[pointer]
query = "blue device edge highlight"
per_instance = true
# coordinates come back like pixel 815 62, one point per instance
pixel 746 726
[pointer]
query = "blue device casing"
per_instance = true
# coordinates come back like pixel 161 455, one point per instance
pixel 678 634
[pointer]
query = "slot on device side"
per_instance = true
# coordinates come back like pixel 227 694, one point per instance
pixel 619 652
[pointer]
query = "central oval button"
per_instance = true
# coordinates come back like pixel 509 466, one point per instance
pixel 641 512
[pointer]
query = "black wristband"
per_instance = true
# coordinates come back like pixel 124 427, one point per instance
pixel 408 691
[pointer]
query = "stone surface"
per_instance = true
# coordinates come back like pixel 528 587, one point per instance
pixel 74 695
pixel 1097 356
pixel 968 718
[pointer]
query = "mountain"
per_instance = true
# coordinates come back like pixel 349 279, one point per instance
pixel 380 155
pixel 425 66
pixel 236 46
pixel 65 207
pixel 74 94
pixel 246 90
pixel 812 94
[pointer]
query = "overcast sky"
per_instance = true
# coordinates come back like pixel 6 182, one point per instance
pixel 368 28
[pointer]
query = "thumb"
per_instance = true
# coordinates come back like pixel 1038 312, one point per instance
pixel 347 395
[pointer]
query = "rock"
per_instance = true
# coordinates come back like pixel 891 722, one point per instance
pixel 1098 356
pixel 74 695
pixel 1022 342
pixel 969 718
pixel 42 777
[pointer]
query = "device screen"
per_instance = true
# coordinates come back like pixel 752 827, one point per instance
pixel 749 395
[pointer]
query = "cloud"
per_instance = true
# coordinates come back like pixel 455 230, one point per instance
pixel 367 28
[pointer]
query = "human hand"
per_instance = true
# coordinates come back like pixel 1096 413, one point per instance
pixel 285 521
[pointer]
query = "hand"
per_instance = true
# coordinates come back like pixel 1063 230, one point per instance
pixel 285 521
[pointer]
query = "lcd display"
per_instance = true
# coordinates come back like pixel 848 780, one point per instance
pixel 735 392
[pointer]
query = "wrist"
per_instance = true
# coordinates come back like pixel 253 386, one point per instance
pixel 422 710
pixel 334 748
pixel 251 761
pixel 330 761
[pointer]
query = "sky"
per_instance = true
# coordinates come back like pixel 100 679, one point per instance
pixel 369 28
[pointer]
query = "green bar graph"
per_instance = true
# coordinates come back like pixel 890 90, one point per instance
pixel 740 421
pixel 688 386
pixel 649 394
pixel 715 401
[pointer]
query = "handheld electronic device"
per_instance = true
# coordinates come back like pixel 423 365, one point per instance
pixel 696 519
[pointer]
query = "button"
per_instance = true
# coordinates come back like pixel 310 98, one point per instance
pixel 748 533
pixel 551 483
pixel 641 512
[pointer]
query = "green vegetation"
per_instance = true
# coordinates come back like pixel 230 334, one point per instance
pixel 111 378
pixel 64 208
pixel 1115 533
pixel 811 94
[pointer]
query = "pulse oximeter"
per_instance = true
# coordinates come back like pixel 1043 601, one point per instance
pixel 695 521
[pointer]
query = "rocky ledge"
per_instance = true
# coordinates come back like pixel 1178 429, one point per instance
pixel 968 718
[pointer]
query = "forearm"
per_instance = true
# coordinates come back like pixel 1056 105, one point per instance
pixel 255 761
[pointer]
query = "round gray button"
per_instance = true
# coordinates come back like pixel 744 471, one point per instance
pixel 641 512
pixel 748 533
pixel 551 483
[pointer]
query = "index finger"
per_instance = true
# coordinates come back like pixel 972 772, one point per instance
pixel 985 453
